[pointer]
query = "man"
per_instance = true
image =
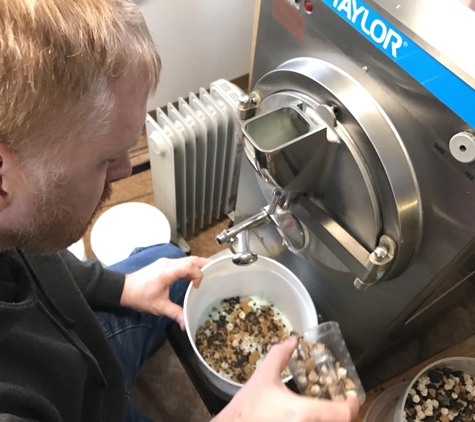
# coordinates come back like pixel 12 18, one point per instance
pixel 74 81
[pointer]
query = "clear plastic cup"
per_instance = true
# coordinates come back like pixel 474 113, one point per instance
pixel 322 367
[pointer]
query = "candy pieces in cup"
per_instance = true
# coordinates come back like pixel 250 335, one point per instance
pixel 321 365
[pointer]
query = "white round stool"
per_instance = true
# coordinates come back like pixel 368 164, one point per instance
pixel 124 227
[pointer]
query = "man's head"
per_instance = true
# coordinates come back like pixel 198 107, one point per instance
pixel 74 80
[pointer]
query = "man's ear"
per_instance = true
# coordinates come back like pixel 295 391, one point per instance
pixel 11 175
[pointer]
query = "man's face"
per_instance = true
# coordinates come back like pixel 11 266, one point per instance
pixel 61 208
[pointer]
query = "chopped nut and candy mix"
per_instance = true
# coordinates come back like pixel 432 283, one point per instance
pixel 443 394
pixel 237 335
pixel 318 374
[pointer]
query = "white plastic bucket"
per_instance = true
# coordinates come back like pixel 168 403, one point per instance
pixel 266 278
pixel 464 364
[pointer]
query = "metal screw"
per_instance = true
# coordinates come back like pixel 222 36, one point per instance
pixel 380 253
pixel 244 100
pixel 254 98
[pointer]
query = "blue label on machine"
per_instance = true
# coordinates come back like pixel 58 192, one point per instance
pixel 430 73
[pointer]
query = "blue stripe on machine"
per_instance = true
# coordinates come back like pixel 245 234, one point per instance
pixel 430 73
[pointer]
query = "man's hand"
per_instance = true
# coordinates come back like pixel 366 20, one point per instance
pixel 265 398
pixel 147 290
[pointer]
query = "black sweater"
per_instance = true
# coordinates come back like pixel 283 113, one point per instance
pixel 55 361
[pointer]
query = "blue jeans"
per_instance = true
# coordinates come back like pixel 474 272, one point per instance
pixel 133 335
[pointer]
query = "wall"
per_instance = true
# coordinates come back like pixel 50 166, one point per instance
pixel 199 41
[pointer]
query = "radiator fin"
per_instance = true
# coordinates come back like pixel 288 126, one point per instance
pixel 195 158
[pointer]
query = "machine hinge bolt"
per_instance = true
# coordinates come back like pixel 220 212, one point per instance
pixel 380 253
pixel 244 100
pixel 255 98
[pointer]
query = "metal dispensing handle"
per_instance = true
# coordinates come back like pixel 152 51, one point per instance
pixel 260 218
pixel 240 232
pixel 244 256
pixel 229 235
pixel 293 232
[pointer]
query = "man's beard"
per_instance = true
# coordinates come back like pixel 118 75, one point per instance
pixel 55 226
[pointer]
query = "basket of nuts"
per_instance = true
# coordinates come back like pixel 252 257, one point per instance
pixel 322 367
pixel 443 391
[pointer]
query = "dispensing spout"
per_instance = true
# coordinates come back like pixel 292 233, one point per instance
pixel 244 255
pixel 293 233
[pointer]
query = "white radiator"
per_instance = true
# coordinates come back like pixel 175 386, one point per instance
pixel 195 158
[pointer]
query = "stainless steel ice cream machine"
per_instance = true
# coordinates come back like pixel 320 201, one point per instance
pixel 360 145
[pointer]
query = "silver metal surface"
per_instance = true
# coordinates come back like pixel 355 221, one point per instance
pixel 380 252
pixel 389 170
pixel 244 256
pixel 323 113
pixel 277 198
pixel 285 148
pixel 294 234
pixel 247 106
pixel 228 235
pixel 444 28
pixel 369 141
pixel 364 264
pixel 379 260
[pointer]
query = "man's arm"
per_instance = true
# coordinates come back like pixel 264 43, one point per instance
pixel 18 404
pixel 100 287
pixel 146 290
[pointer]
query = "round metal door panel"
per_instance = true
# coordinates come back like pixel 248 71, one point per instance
pixel 367 184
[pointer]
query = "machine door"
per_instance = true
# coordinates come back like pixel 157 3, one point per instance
pixel 365 194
